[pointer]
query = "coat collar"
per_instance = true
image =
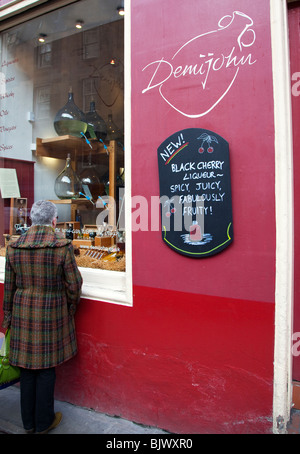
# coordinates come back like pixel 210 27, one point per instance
pixel 39 236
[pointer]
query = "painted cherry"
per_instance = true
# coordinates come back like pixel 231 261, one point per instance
pixel 208 139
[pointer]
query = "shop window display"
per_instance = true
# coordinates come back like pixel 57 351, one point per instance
pixel 61 87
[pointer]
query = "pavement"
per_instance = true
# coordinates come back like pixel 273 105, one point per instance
pixel 76 420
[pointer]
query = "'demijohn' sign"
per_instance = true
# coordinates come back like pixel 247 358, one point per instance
pixel 195 192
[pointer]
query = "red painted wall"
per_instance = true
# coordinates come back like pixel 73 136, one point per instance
pixel 195 352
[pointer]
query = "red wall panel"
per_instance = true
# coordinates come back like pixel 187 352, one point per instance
pixel 227 330
pixel 244 118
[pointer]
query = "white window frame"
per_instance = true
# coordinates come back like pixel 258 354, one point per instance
pixel 282 386
pixel 101 285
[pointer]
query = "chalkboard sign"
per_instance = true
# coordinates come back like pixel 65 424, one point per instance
pixel 195 192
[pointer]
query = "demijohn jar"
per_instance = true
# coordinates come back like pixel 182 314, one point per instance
pixel 70 119
pixel 96 122
pixel 67 184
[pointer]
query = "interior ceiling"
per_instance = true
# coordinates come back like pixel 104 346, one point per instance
pixel 61 22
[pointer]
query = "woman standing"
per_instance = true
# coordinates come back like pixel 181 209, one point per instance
pixel 41 293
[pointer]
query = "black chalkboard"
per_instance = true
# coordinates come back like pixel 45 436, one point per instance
pixel 195 192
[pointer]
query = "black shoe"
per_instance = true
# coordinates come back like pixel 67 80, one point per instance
pixel 56 422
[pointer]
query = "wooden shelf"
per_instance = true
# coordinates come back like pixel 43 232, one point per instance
pixel 69 201
pixel 59 147
pixel 79 201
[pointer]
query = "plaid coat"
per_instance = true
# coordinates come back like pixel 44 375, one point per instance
pixel 41 292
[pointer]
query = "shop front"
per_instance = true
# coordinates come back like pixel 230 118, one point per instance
pixel 164 137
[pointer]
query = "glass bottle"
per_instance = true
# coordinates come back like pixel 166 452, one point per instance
pixel 78 219
pixel 67 184
pixel 113 132
pixel 70 119
pixel 89 177
pixel 98 124
pixel 69 232
pixel 21 214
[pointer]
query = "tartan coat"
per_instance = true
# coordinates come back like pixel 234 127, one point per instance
pixel 41 293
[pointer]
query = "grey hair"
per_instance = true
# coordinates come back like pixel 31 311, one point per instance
pixel 43 212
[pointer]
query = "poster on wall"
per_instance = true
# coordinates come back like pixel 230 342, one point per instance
pixel 195 192
pixel 9 186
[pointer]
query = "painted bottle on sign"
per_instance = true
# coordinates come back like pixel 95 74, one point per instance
pixel 195 232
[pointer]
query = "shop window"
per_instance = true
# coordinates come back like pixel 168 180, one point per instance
pixel 61 89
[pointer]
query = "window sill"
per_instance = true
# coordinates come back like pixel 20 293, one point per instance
pixel 101 285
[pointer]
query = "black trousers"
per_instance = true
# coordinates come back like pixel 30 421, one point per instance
pixel 37 398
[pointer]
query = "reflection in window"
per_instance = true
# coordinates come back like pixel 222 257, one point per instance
pixel 44 55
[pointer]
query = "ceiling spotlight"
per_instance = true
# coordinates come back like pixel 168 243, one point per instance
pixel 121 10
pixel 42 37
pixel 79 24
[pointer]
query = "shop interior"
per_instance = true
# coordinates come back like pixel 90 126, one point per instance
pixel 64 129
